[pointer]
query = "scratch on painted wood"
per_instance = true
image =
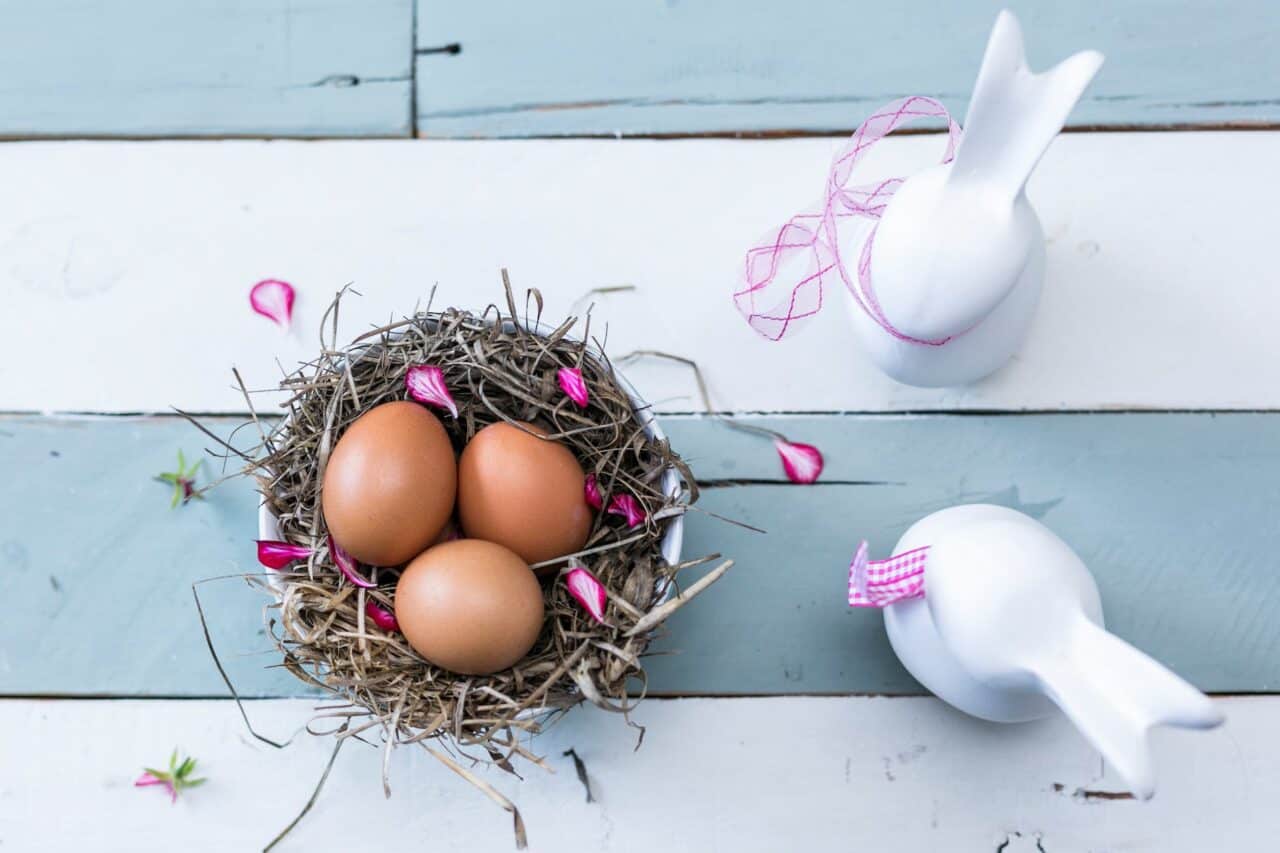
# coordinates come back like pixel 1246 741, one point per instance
pixel 1023 842
pixel 451 49
pixel 1092 795
pixel 347 81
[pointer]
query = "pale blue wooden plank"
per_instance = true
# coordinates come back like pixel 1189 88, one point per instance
pixel 585 67
pixel 206 67
pixel 1173 512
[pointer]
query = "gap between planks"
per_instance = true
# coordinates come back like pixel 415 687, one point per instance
pixel 775 133
pixel 695 415
pixel 800 133
pixel 658 696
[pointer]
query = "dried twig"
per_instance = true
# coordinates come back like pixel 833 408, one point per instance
pixel 311 801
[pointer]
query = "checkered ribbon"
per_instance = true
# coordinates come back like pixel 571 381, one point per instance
pixel 879 583
pixel 811 238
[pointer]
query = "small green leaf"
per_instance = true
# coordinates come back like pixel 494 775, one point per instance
pixel 178 776
pixel 181 479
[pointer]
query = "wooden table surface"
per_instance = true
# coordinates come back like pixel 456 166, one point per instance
pixel 1140 421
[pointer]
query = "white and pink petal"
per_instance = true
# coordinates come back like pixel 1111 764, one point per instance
pixel 803 463
pixel 273 299
pixel 426 384
pixel 587 591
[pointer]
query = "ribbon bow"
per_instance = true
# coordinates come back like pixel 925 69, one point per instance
pixel 879 583
pixel 814 232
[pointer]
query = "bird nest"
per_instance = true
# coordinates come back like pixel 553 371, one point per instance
pixel 499 367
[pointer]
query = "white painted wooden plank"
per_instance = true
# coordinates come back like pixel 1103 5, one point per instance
pixel 138 258
pixel 740 775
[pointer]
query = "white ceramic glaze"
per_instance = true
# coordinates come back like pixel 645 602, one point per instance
pixel 1011 625
pixel 959 251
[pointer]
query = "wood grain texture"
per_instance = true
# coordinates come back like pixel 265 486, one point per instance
pixel 1173 513
pixel 315 68
pixel 1161 288
pixel 820 65
pixel 743 775
pixel 206 68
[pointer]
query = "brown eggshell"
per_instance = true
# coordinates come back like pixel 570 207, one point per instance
pixel 390 484
pixel 523 492
pixel 469 606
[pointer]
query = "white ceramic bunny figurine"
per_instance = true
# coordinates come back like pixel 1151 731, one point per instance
pixel 959 252
pixel 1010 625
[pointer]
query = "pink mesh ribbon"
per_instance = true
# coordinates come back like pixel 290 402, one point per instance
pixel 813 235
pixel 879 583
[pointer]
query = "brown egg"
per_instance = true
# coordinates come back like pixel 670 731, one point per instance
pixel 523 492
pixel 390 483
pixel 469 606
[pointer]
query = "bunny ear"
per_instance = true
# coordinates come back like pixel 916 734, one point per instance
pixel 1114 694
pixel 1014 114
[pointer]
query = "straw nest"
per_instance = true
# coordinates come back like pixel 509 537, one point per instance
pixel 498 369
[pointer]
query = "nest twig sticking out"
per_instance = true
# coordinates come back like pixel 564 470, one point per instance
pixel 497 368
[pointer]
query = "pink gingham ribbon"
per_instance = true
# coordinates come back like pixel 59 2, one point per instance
pixel 879 583
pixel 812 235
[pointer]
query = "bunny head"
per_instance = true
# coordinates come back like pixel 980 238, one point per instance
pixel 959 251
pixel 1010 625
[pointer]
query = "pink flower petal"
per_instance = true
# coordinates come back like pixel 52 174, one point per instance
pixel 347 565
pixel 384 619
pixel 146 779
pixel 273 299
pixel 627 507
pixel 802 462
pixel 591 491
pixel 587 591
pixel 276 555
pixel 426 385
pixel 572 384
